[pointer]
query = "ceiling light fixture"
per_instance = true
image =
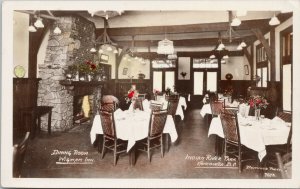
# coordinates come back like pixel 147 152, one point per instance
pixel 104 40
pixel 31 28
pixel 274 21
pixel 116 51
pixel 105 14
pixel 239 47
pixel 225 57
pixel 165 46
pixel 93 50
pixel 212 56
pixel 236 21
pixel 57 30
pixel 39 23
pixel 243 44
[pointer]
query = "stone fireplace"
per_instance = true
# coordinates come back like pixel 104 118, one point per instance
pixel 70 47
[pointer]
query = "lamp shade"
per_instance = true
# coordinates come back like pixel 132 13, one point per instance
pixel 31 28
pixel 225 57
pixel 236 22
pixel 239 47
pixel 39 23
pixel 212 56
pixel 165 47
pixel 274 21
pixel 93 50
pixel 57 30
pixel 109 48
pixel 243 44
pixel 221 46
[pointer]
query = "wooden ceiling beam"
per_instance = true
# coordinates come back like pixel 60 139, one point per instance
pixel 188 42
pixel 190 28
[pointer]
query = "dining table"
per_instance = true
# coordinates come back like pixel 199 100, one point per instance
pixel 132 126
pixel 256 134
pixel 206 108
pixel 182 105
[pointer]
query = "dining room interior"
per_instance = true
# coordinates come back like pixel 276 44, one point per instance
pixel 152 94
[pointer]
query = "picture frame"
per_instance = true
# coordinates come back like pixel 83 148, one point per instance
pixel 246 68
pixel 104 58
pixel 125 71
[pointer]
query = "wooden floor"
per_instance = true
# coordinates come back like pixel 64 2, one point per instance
pixel 40 161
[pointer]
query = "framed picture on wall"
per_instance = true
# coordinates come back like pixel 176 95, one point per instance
pixel 246 68
pixel 125 71
pixel 104 58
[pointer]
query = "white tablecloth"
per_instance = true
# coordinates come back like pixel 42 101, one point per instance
pixel 179 111
pixel 206 108
pixel 132 126
pixel 258 135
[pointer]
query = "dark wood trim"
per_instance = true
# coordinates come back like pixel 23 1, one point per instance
pixel 272 62
pixel 249 58
pixel 282 62
pixel 188 28
pixel 35 41
pixel 118 61
pixel 187 42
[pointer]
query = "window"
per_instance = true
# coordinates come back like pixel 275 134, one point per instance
pixel 170 80
pixel 160 63
pixel 205 63
pixel 261 66
pixel 286 71
pixel 198 83
pixel 157 80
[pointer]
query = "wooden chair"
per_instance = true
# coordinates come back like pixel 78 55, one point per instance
pixel 155 133
pixel 172 108
pixel 232 141
pixel 172 97
pixel 216 108
pixel 142 96
pixel 19 154
pixel 156 106
pixel 285 165
pixel 108 107
pixel 271 158
pixel 138 104
pixel 110 139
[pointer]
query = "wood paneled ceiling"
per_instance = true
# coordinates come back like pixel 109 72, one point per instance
pixel 202 34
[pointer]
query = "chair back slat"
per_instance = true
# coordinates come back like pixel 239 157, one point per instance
pixel 172 106
pixel 19 155
pixel 156 107
pixel 142 96
pixel 230 127
pixel 138 104
pixel 157 123
pixel 173 97
pixel 285 116
pixel 216 107
pixel 108 124
pixel 108 107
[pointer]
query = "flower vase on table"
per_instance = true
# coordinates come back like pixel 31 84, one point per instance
pixel 257 113
pixel 257 102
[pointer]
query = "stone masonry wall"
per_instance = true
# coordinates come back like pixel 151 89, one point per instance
pixel 70 47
